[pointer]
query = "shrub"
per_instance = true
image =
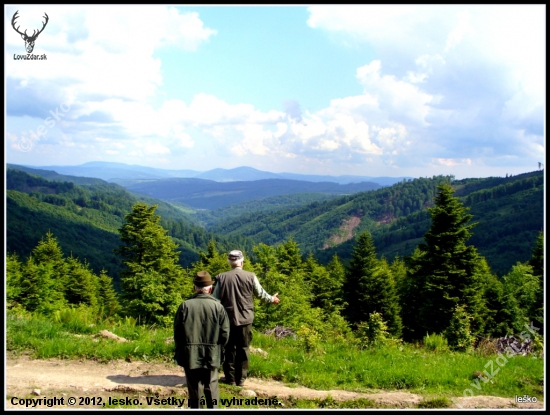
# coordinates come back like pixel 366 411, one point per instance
pixel 374 332
pixel 458 333
pixel 436 342
pixel 487 347
pixel 309 338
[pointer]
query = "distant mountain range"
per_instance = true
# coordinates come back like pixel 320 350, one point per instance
pixel 209 194
pixel 118 172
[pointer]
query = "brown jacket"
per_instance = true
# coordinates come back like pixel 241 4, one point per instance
pixel 235 289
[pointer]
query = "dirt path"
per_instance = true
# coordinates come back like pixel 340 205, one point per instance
pixel 137 380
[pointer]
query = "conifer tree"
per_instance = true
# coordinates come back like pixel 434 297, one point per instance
pixel 444 271
pixel 325 287
pixel 152 277
pixel 82 285
pixel 390 309
pixel 537 262
pixel 277 276
pixel 318 279
pixel 49 252
pixel 213 261
pixel 498 315
pixel 39 289
pixel 537 258
pixel 14 274
pixel 44 277
pixel 370 286
pixel 359 279
pixel 289 259
pixel 107 296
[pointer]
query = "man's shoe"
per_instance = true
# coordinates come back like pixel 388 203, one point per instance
pixel 240 383
pixel 228 381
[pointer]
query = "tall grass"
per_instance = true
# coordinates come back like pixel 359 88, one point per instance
pixel 71 335
pixel 403 367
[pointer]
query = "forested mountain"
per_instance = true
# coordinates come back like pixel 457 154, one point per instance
pixel 509 212
pixel 53 175
pixel 270 204
pixel 209 194
pixel 85 220
pixel 111 171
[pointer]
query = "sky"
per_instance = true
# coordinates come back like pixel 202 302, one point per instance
pixel 374 90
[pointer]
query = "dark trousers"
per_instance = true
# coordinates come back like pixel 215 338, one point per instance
pixel 202 382
pixel 235 366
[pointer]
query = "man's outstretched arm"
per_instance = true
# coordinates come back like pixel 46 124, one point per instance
pixel 262 294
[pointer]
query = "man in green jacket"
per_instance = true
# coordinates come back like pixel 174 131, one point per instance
pixel 201 330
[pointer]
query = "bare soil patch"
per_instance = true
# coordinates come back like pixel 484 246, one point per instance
pixel 345 232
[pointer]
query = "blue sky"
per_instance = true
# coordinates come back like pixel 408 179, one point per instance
pixel 375 90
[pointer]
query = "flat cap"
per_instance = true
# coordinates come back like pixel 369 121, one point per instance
pixel 235 255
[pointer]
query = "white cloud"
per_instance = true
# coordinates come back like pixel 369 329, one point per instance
pixel 462 80
pixel 186 31
pixel 112 55
pixel 441 83
pixel 401 100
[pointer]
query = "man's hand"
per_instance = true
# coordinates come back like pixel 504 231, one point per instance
pixel 275 298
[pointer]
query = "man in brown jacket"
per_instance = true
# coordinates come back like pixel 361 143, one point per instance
pixel 236 289
pixel 201 330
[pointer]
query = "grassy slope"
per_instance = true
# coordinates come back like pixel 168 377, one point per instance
pixel 332 365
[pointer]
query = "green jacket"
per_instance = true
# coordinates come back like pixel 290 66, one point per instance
pixel 201 330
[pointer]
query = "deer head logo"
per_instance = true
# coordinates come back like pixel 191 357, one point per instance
pixel 29 40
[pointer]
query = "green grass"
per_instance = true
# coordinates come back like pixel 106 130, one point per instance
pixel 68 340
pixel 404 367
pixel 437 375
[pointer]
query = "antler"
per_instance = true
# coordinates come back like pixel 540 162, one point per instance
pixel 34 34
pixel 45 23
pixel 15 16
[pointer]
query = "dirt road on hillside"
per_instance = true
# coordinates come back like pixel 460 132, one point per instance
pixel 135 381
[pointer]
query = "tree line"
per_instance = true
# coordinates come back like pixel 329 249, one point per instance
pixel 444 287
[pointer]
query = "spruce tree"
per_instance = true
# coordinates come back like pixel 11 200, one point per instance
pixel 107 296
pixel 325 286
pixel 444 272
pixel 213 261
pixel 82 285
pixel 537 258
pixel 370 287
pixel 280 270
pixel 498 315
pixel 39 289
pixel 152 277
pixel 14 274
pixel 537 262
pixel 289 259
pixel 49 252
